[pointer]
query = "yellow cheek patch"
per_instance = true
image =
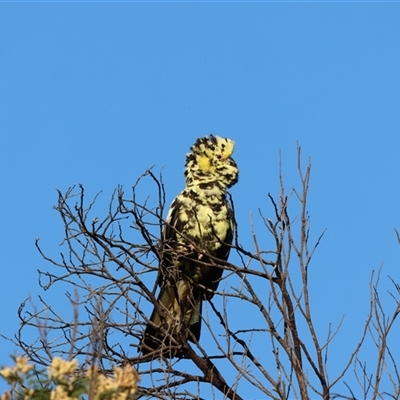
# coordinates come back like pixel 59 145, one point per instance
pixel 204 163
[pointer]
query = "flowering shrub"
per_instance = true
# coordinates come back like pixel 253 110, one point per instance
pixel 63 382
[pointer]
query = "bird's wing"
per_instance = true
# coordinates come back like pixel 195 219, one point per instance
pixel 223 251
pixel 170 238
pixel 173 224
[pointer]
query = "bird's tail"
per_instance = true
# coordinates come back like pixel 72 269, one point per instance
pixel 180 314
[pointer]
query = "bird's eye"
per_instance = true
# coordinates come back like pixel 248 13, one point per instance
pixel 219 156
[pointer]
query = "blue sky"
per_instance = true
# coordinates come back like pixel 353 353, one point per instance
pixel 96 93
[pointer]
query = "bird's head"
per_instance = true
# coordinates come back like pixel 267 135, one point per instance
pixel 210 160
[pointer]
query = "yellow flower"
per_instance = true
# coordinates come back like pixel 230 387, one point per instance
pixel 28 394
pixel 104 383
pixel 8 373
pixel 60 368
pixel 59 394
pixel 123 383
pixel 13 374
pixel 126 378
pixel 6 396
pixel 22 364
pixel 98 382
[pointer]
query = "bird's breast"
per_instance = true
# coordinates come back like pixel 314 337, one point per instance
pixel 208 222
